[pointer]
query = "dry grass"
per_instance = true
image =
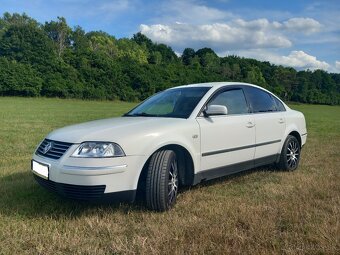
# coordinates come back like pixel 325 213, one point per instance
pixel 258 212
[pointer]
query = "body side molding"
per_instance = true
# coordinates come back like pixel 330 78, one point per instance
pixel 238 148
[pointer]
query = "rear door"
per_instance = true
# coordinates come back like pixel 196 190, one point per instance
pixel 227 140
pixel 269 125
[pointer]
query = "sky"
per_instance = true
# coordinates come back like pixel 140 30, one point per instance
pixel 301 34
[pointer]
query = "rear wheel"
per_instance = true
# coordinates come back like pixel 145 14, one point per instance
pixel 290 154
pixel 162 180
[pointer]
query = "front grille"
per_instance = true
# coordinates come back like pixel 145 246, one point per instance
pixel 78 192
pixel 56 150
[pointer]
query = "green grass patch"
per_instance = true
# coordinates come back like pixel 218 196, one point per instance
pixel 258 212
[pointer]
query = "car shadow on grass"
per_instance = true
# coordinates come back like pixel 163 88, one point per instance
pixel 232 177
pixel 21 195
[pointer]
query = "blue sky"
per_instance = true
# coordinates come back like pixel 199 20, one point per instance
pixel 301 34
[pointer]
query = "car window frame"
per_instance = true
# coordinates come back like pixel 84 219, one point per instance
pixel 264 91
pixel 222 90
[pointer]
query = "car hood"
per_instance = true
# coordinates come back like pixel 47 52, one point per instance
pixel 114 129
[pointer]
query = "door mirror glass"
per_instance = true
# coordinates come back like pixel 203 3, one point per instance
pixel 216 110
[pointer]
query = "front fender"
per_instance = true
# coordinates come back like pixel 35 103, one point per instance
pixel 188 138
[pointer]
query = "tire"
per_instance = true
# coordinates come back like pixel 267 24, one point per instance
pixel 290 154
pixel 162 181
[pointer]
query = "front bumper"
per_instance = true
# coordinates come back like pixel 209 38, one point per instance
pixel 92 178
pixel 84 192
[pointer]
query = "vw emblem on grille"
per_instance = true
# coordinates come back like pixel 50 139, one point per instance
pixel 47 147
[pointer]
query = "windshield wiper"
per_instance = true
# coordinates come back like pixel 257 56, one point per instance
pixel 140 114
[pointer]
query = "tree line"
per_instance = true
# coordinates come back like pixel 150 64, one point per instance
pixel 55 60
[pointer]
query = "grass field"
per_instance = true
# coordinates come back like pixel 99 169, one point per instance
pixel 258 212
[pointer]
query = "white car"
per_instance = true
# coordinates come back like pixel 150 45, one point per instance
pixel 181 136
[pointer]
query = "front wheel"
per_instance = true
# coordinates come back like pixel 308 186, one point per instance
pixel 162 180
pixel 290 154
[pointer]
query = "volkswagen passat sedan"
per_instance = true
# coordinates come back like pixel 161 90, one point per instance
pixel 181 136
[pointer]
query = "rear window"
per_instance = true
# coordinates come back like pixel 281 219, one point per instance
pixel 279 106
pixel 260 100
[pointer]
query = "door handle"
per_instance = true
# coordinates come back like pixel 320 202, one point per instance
pixel 250 124
pixel 281 121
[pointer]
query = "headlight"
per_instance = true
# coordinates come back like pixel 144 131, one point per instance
pixel 98 150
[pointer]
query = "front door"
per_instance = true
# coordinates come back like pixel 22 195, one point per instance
pixel 227 140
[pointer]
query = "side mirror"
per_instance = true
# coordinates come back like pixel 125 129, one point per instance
pixel 216 110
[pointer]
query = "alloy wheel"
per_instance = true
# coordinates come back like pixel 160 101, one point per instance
pixel 173 182
pixel 293 154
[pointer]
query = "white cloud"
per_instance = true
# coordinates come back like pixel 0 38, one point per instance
pixel 231 35
pixel 300 60
pixel 302 25
pixel 189 23
pixel 239 34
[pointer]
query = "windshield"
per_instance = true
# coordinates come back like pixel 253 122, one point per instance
pixel 172 103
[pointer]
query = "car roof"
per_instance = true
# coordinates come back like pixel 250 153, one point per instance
pixel 215 84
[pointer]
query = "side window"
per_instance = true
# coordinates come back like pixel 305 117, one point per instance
pixel 279 106
pixel 233 99
pixel 260 100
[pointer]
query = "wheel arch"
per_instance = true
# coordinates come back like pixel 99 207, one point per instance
pixel 291 131
pixel 297 135
pixel 186 165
